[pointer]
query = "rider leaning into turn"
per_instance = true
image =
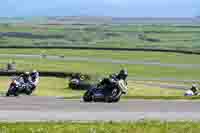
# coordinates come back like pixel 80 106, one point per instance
pixel 123 74
pixel 25 80
pixel 34 79
pixel 109 83
pixel 194 89
pixel 31 79
pixel 25 77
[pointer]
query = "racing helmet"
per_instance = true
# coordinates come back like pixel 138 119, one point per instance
pixel 194 88
pixel 194 85
pixel 26 74
pixel 34 74
pixel 113 76
pixel 123 74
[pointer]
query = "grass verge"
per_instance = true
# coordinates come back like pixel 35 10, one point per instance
pixel 122 55
pixel 102 69
pixel 102 127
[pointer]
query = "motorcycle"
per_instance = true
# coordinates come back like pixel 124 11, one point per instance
pixel 99 94
pixel 191 93
pixel 79 82
pixel 17 87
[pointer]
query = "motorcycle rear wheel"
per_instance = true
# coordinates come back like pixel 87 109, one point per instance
pixel 28 92
pixel 108 99
pixel 16 94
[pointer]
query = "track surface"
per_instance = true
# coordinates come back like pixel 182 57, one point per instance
pixel 35 108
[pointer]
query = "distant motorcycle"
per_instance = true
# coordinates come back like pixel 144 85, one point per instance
pixel 98 94
pixel 79 82
pixel 190 93
pixel 193 91
pixel 16 88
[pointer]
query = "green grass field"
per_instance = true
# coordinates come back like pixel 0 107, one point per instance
pixel 102 69
pixel 126 36
pixel 121 55
pixel 101 127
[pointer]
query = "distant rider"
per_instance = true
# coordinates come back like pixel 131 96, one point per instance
pixel 192 91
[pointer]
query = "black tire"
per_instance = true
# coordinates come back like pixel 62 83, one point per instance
pixel 87 97
pixel 72 86
pixel 28 92
pixel 116 100
pixel 108 99
pixel 16 94
pixel 7 94
pixel 116 95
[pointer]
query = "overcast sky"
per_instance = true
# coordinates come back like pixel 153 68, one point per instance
pixel 116 8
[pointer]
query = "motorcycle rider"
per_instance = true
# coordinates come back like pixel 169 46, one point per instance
pixel 75 76
pixel 192 91
pixel 25 80
pixel 109 83
pixel 25 77
pixel 123 74
pixel 34 79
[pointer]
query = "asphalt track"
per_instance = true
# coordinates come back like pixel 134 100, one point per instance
pixel 101 60
pixel 33 108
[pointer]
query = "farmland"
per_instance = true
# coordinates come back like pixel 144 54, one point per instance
pixel 113 36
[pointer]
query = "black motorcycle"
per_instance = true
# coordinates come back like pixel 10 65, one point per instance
pixel 79 82
pixel 16 88
pixel 100 94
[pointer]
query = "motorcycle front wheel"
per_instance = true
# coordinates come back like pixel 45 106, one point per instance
pixel 12 92
pixel 87 96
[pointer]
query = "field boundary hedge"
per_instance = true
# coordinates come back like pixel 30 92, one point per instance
pixel 108 48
